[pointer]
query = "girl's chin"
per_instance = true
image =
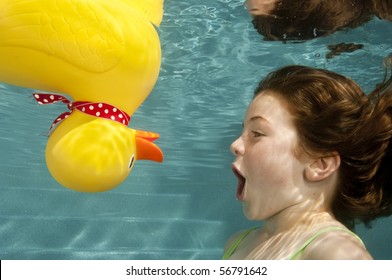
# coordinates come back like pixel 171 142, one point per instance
pixel 247 213
pixel 251 215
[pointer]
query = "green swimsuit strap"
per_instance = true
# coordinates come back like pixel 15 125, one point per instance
pixel 317 234
pixel 236 243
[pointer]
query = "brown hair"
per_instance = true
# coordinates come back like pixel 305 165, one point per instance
pixel 304 20
pixel 383 9
pixel 332 114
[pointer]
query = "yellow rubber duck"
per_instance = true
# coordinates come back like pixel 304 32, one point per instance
pixel 104 54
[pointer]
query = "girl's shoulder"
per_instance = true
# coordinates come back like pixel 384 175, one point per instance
pixel 335 244
pixel 235 240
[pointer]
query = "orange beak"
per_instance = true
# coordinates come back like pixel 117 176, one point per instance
pixel 145 149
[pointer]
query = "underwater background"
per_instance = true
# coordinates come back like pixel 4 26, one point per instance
pixel 184 208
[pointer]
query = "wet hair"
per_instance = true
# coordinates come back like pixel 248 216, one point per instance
pixel 383 9
pixel 304 20
pixel 333 115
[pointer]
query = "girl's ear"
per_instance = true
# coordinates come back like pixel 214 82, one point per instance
pixel 321 168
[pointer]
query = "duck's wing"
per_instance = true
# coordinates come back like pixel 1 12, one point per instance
pixel 81 33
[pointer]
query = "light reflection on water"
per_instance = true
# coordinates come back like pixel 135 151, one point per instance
pixel 184 208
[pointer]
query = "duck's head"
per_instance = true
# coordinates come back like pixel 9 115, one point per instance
pixel 89 154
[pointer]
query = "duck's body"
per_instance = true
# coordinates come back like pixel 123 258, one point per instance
pixel 95 50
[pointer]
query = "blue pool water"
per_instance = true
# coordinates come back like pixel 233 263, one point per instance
pixel 184 208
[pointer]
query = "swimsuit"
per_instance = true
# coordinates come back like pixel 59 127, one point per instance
pixel 297 253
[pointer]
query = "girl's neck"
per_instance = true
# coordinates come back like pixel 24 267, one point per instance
pixel 302 215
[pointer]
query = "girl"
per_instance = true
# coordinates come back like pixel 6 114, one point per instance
pixel 300 20
pixel 314 158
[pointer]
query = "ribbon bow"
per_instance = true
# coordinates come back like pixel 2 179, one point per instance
pixel 100 110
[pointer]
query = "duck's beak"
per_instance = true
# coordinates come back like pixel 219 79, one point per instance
pixel 147 150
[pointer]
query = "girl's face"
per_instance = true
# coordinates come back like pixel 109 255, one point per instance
pixel 260 7
pixel 269 173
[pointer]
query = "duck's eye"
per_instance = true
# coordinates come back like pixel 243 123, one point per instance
pixel 131 162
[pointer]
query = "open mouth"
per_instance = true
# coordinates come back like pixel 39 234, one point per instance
pixel 253 12
pixel 241 183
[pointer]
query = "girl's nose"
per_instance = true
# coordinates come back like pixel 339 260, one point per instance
pixel 237 147
pixel 246 4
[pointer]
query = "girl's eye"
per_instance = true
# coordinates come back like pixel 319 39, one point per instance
pixel 257 133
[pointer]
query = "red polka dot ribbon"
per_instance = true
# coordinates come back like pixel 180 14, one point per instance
pixel 100 110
